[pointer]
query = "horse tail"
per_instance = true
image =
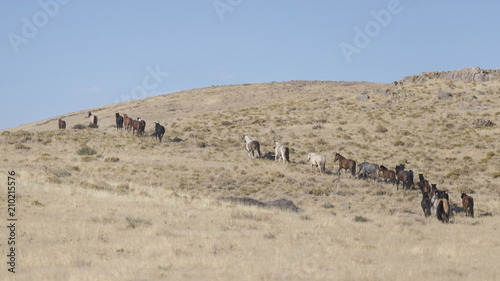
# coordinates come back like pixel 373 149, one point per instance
pixel 471 207
pixel 323 163
pixel 446 210
pixel 287 154
pixel 440 210
pixel 257 145
pixel 353 169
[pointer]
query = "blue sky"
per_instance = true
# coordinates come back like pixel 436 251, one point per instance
pixel 60 56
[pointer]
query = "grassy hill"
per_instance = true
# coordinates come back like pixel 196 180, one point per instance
pixel 103 204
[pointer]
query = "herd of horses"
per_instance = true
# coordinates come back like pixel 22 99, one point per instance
pixel 124 122
pixel 433 200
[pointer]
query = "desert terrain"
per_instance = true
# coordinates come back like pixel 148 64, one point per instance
pixel 102 204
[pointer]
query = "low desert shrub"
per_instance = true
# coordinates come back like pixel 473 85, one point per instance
pixel 79 127
pixel 62 174
pixel 360 219
pixel 21 146
pixel 85 150
pixel 112 159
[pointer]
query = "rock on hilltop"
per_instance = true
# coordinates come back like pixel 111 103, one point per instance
pixel 474 74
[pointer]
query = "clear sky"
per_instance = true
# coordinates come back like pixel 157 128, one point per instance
pixel 60 56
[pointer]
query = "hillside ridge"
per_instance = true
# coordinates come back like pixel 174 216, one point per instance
pixel 473 74
pixel 163 108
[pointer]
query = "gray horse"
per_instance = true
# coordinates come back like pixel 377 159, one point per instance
pixel 366 168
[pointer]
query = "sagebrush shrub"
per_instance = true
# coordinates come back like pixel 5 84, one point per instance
pixel 85 150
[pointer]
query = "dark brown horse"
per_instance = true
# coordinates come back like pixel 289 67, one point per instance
pixel 406 176
pixel 62 124
pixel 426 204
pixel 127 122
pixel 347 164
pixel 423 184
pixel 387 174
pixel 468 204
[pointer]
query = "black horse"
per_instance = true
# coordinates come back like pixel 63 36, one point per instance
pixel 159 131
pixel 119 121
pixel 426 204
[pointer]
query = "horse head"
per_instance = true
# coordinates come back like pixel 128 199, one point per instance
pixel 246 138
pixel 337 157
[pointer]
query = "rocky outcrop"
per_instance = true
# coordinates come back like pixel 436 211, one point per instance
pixel 484 123
pixel 474 74
pixel 444 96
pixel 363 97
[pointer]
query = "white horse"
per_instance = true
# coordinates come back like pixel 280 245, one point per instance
pixel 318 161
pixel 281 152
pixel 92 119
pixel 251 146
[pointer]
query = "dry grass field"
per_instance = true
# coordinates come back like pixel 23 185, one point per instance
pixel 101 204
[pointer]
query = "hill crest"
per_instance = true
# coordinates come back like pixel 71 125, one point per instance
pixel 473 74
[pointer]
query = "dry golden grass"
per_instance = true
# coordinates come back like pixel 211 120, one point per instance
pixel 138 209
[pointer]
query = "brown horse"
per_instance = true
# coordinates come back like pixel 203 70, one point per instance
pixel 406 176
pixel 143 124
pixel 127 122
pixel 62 124
pixel 345 164
pixel 387 174
pixel 137 126
pixel 468 203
